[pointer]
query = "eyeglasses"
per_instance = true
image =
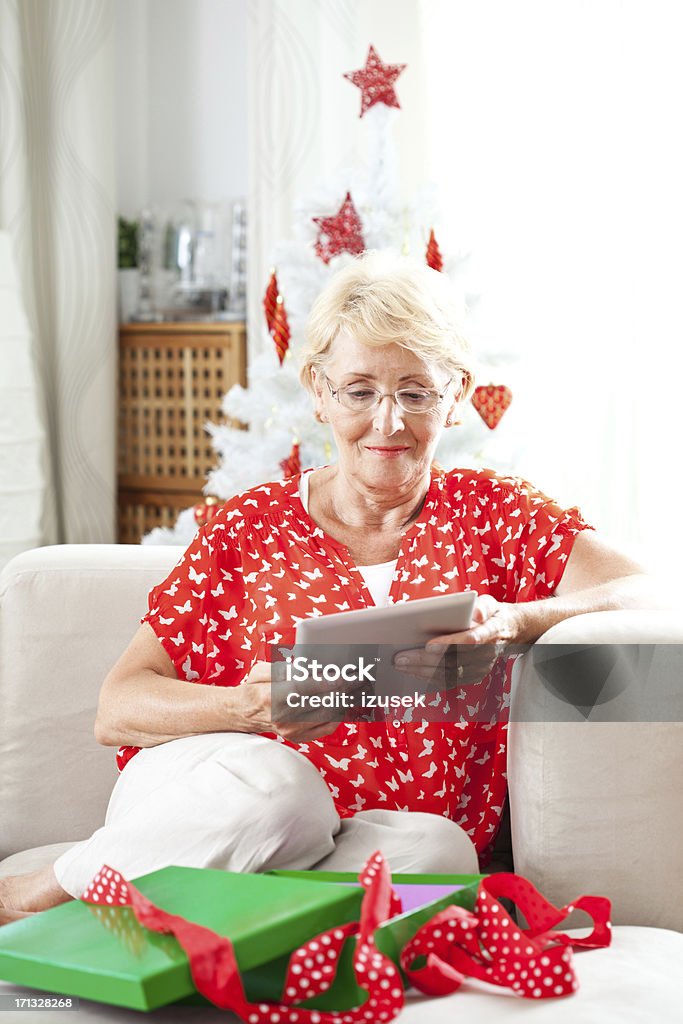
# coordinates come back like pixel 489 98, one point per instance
pixel 363 397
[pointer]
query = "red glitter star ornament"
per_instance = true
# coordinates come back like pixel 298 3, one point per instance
pixel 376 82
pixel 341 233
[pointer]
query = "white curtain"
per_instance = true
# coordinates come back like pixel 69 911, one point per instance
pixel 22 438
pixel 57 203
pixel 554 144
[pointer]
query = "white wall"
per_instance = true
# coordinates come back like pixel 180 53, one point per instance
pixel 181 102
pixel 553 140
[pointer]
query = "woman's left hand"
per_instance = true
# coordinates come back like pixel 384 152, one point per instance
pixel 469 656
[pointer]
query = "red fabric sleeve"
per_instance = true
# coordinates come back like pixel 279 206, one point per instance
pixel 535 536
pixel 197 612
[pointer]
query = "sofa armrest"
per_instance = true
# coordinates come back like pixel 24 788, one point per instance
pixel 595 801
pixel 66 614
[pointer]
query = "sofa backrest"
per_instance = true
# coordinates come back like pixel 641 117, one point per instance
pixel 66 614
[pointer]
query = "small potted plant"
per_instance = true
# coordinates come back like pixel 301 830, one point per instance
pixel 128 274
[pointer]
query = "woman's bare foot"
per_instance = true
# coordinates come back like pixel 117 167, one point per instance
pixel 21 895
pixel 8 916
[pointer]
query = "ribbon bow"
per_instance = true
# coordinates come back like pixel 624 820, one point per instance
pixel 535 962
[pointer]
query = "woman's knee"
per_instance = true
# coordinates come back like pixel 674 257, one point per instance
pixel 302 819
pixel 266 799
pixel 243 805
pixel 412 841
pixel 242 766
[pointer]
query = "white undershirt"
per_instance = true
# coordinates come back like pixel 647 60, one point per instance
pixel 377 577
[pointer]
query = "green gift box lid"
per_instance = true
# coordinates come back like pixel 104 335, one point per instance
pixel 104 954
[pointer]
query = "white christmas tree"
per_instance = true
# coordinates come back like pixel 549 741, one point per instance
pixel 282 434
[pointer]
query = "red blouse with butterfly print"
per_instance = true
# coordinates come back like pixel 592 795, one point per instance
pixel 262 564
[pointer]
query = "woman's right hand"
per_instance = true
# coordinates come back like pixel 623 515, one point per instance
pixel 254 698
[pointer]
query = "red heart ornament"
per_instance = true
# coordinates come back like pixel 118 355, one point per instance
pixel 491 402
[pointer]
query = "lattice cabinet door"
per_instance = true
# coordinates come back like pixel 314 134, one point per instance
pixel 172 378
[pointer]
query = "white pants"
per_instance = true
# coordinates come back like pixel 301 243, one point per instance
pixel 240 802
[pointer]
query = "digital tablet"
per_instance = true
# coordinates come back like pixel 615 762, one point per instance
pixel 401 626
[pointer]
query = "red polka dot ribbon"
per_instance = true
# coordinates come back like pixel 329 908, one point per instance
pixel 534 962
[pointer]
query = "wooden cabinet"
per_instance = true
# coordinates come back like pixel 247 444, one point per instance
pixel 172 378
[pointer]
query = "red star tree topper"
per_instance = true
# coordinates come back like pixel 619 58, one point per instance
pixel 341 233
pixel 376 81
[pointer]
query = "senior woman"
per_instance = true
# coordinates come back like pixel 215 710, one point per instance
pixel 208 777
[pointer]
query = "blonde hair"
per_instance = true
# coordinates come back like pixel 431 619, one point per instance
pixel 382 298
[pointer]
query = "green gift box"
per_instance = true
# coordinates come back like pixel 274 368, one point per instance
pixel 104 954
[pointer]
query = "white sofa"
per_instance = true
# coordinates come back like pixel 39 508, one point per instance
pixel 595 805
